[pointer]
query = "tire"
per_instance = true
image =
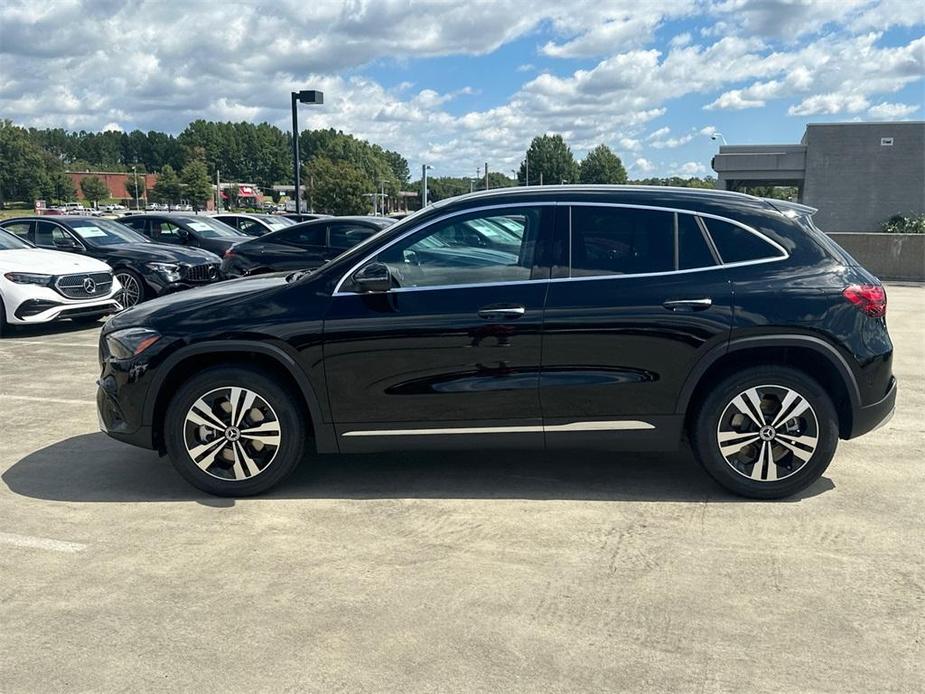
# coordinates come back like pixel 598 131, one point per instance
pixel 4 326
pixel 237 467
pixel 126 278
pixel 801 445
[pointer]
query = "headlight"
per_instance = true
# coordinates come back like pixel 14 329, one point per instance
pixel 28 278
pixel 170 271
pixel 130 342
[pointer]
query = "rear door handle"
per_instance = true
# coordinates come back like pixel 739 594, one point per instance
pixel 502 312
pixel 688 304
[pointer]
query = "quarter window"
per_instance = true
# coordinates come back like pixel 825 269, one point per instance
pixel 621 241
pixel 736 245
pixel 447 253
pixel 693 251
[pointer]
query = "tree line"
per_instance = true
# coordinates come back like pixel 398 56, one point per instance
pixel 340 173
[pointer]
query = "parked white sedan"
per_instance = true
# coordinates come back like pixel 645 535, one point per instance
pixel 39 285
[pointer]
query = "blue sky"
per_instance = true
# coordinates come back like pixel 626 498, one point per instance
pixel 455 84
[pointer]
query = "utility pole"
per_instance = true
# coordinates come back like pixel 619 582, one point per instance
pixel 424 168
pixel 135 174
pixel 218 191
pixel 541 178
pixel 486 175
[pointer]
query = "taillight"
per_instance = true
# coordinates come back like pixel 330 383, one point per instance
pixel 870 299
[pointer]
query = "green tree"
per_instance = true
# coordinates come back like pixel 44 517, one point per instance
pixel 137 192
pixel 196 185
pixel 338 187
pixel 62 187
pixel 602 166
pixel 23 166
pixel 550 160
pixel 168 187
pixel 94 188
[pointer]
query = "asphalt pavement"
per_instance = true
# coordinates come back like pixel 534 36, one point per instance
pixel 494 572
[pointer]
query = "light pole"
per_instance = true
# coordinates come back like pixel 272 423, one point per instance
pixel 306 96
pixel 382 196
pixel 515 175
pixel 135 176
pixel 424 168
pixel 718 136
pixel 526 170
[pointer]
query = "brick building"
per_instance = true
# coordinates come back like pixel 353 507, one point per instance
pixel 118 182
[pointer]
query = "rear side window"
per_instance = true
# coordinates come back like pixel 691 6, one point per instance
pixel 736 245
pixel 20 229
pixel 693 251
pixel 345 236
pixel 621 241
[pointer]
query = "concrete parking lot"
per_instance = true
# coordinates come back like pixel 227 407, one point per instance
pixel 559 572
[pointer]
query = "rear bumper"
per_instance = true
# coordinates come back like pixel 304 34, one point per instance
pixel 871 417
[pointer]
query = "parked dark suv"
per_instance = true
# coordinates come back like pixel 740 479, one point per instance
pixel 628 318
pixel 190 230
pixel 144 269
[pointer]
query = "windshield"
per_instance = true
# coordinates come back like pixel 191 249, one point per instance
pixel 8 242
pixel 103 232
pixel 275 223
pixel 212 228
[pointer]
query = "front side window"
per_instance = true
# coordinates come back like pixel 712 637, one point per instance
pixel 444 254
pixel 169 231
pixel 621 241
pixel 20 229
pixel 346 236
pixel 49 235
pixel 737 245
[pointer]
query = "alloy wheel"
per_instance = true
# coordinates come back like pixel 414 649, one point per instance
pixel 232 433
pixel 768 433
pixel 131 290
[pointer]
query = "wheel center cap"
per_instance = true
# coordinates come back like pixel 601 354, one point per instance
pixel 767 433
pixel 232 433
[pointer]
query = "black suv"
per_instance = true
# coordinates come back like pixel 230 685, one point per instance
pixel 144 269
pixel 302 246
pixel 191 230
pixel 628 318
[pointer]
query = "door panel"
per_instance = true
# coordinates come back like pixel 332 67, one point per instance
pixel 461 360
pixel 619 340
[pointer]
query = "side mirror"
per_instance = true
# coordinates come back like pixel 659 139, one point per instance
pixel 183 235
pixel 375 277
pixel 67 244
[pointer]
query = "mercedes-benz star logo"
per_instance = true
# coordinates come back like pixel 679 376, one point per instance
pixel 89 285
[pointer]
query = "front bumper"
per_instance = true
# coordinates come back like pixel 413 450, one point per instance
pixel 44 311
pixel 871 417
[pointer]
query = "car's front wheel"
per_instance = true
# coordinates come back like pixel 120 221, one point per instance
pixel 766 432
pixel 234 431
pixel 133 287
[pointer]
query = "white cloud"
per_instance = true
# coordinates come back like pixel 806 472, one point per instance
pixel 689 168
pixel 708 130
pixel 158 65
pixel 643 166
pixel 888 111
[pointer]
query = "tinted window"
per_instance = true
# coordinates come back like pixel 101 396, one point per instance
pixel 309 235
pixel 621 241
pixel 20 229
pixel 251 227
pixel 426 259
pixel 8 242
pixel 348 235
pixel 693 251
pixel 168 232
pixel 736 244
pixel 211 228
pixel 47 235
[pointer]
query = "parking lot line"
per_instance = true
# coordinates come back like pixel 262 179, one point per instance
pixel 50 343
pixel 40 543
pixel 33 398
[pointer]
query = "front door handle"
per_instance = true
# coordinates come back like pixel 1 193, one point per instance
pixel 501 312
pixel 688 304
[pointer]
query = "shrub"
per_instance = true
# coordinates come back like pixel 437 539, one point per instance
pixel 902 224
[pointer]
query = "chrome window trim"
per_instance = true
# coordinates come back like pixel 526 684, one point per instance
pixel 744 263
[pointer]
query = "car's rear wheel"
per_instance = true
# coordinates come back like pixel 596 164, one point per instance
pixel 766 432
pixel 133 287
pixel 234 431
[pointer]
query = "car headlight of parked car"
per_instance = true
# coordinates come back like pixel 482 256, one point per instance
pixel 130 342
pixel 28 278
pixel 169 271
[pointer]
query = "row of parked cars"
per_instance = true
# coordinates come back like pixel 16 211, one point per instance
pixel 85 267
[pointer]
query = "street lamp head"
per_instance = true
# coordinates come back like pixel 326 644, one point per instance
pixel 309 96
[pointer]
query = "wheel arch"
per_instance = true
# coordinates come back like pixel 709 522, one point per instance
pixel 811 355
pixel 190 359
